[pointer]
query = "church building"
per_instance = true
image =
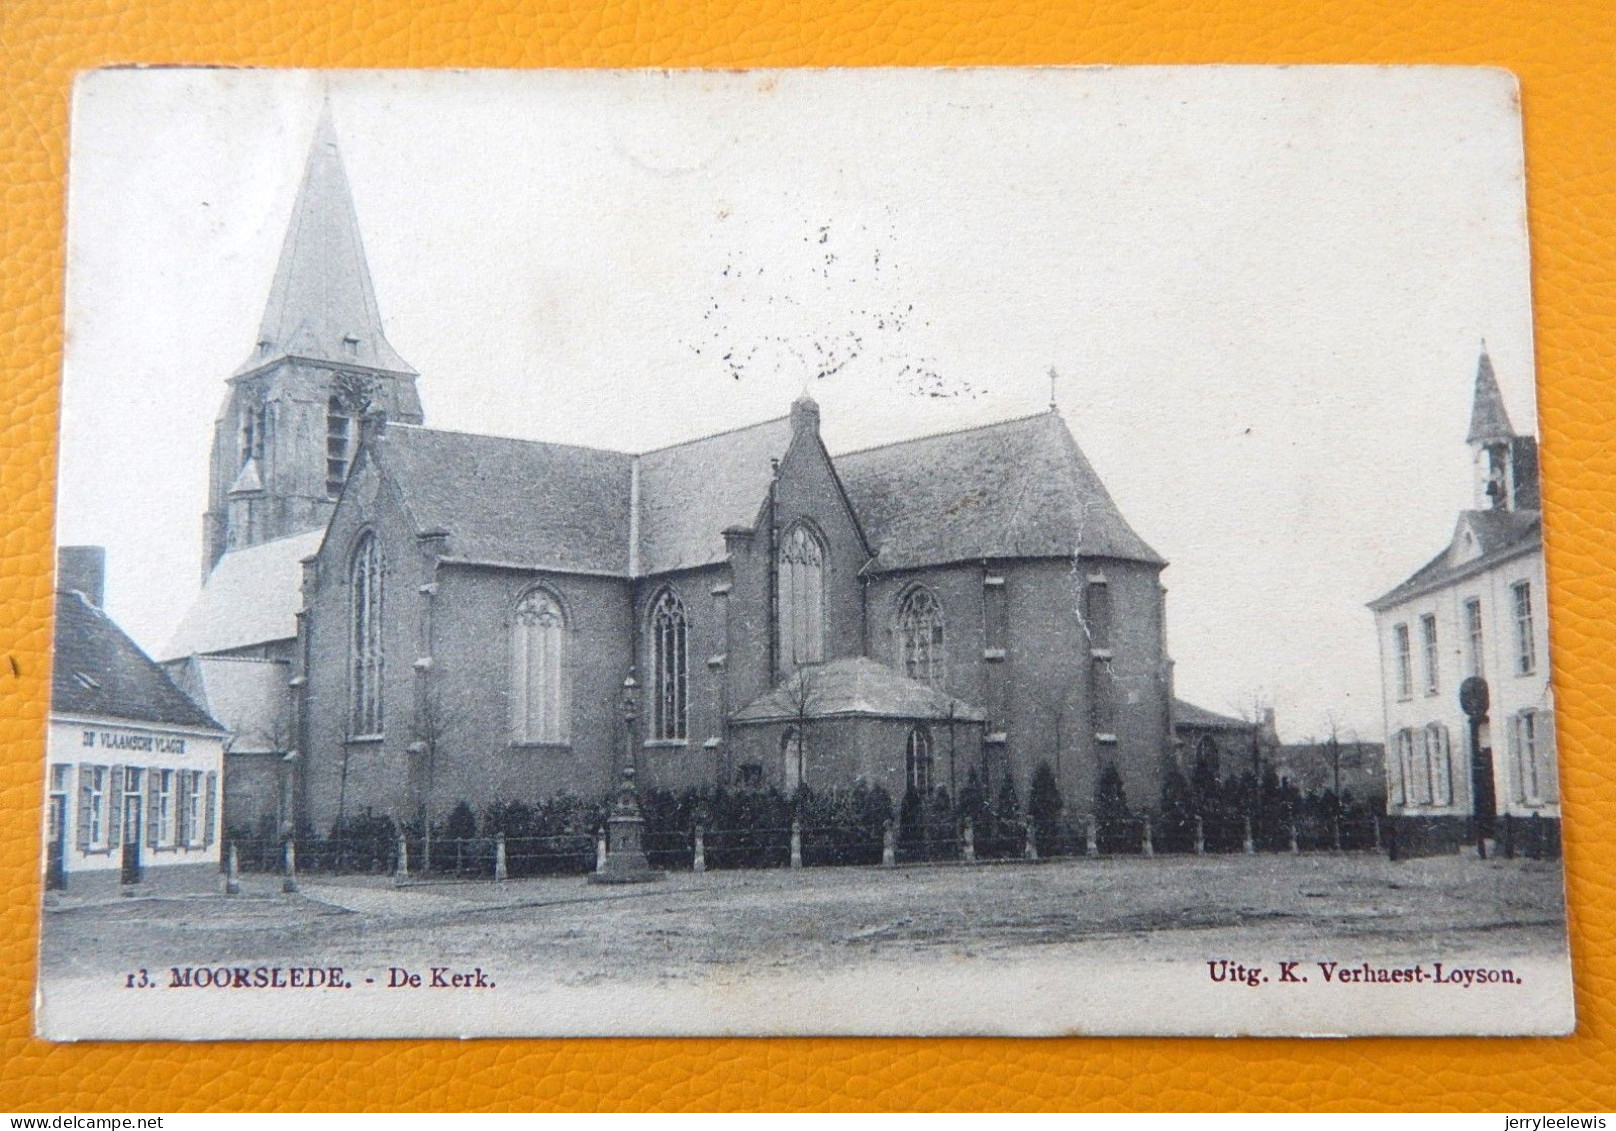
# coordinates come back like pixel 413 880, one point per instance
pixel 473 610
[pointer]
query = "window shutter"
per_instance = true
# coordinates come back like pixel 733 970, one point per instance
pixel 1394 777
pixel 154 777
pixel 182 807
pixel 212 810
pixel 1548 775
pixel 82 834
pixel 114 810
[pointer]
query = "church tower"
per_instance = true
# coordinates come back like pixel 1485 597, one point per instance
pixel 289 429
pixel 1505 463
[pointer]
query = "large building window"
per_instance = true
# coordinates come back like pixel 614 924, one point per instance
pixel 192 817
pixel 365 640
pixel 1429 651
pixel 338 441
pixel 92 807
pixel 1531 752
pixel 802 598
pixel 920 636
pixel 1416 784
pixel 918 761
pixel 670 669
pixel 162 814
pixel 539 694
pixel 1475 643
pixel 1404 660
pixel 1439 764
pixel 1525 638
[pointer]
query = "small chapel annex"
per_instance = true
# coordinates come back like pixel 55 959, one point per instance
pixel 471 606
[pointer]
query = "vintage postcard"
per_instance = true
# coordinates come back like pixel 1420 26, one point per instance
pixel 853 552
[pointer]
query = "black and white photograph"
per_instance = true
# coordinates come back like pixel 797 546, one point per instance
pixel 1008 551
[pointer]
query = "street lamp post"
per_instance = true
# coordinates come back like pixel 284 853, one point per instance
pixel 625 827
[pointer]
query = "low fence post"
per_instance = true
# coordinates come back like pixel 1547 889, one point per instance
pixel 796 843
pixel 1295 850
pixel 699 863
pixel 1200 836
pixel 1030 852
pixel 1149 845
pixel 968 842
pixel 232 872
pixel 1091 839
pixel 889 845
pixel 401 866
pixel 289 864
pixel 500 872
pixel 1247 845
pixel 600 849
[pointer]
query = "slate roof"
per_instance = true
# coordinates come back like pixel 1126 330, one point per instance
pixel 251 597
pixel 859 687
pixel 1500 535
pixel 514 502
pixel 1019 488
pixel 322 294
pixel 98 672
pixel 1187 714
pixel 1489 420
pixel 690 493
pixel 247 696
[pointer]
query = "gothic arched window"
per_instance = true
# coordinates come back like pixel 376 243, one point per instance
pixel 365 639
pixel 539 691
pixel 920 636
pixel 802 598
pixel 917 761
pixel 670 669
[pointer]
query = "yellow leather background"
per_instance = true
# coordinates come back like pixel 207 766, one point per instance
pixel 1565 55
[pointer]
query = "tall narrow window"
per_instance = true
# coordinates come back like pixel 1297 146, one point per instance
pixel 1097 612
pixel 1428 648
pixel 1475 643
pixel 1532 758
pixel 92 806
pixel 1103 701
pixel 670 671
pixel 194 801
pixel 1439 764
pixel 365 640
pixel 918 760
pixel 338 436
pixel 162 816
pixel 1416 782
pixel 539 697
pixel 802 598
pixel 254 420
pixel 920 636
pixel 1404 660
pixel 1525 639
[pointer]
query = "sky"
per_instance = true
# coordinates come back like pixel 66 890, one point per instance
pixel 1263 292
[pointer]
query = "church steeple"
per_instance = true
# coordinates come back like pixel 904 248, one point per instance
pixel 287 435
pixel 1505 463
pixel 1489 420
pixel 322 306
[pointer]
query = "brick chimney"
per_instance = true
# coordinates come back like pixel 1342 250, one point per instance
pixel 83 569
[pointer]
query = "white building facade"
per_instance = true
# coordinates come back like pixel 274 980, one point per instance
pixel 1470 630
pixel 133 768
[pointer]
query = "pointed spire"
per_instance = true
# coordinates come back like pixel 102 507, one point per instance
pixel 1489 421
pixel 322 305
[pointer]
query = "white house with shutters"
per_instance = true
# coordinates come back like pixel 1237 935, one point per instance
pixel 1477 611
pixel 133 766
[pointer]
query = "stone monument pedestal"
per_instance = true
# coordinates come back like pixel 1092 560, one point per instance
pixel 625 841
